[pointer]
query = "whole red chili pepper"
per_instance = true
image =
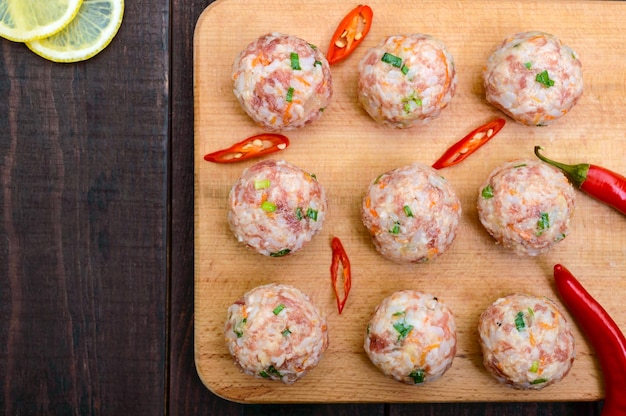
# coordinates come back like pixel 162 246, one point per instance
pixel 340 256
pixel 252 147
pixel 603 334
pixel 350 33
pixel 469 144
pixel 596 181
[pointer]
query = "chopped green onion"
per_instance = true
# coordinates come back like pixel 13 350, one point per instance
pixel 272 370
pixel 312 214
pixel 278 309
pixel 404 69
pixel 487 192
pixel 238 330
pixel 539 381
pixel 295 61
pixel 413 98
pixel 264 374
pixel 262 183
pixel 528 65
pixel 521 165
pixel 407 211
pixel 299 213
pixel 543 223
pixel 544 78
pixel 280 253
pixel 401 313
pixel 392 60
pixel 378 179
pixel 403 329
pixel 317 63
pixel 418 376
pixel 534 367
pixel 286 332
pixel 289 97
pixel 519 321
pixel 396 228
pixel 268 206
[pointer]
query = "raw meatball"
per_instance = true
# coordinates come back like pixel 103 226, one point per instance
pixel 276 207
pixel 534 78
pixel 526 341
pixel 411 337
pixel 282 81
pixel 406 80
pixel 276 332
pixel 526 205
pixel 412 213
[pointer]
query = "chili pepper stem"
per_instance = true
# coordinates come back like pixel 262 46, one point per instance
pixel 576 173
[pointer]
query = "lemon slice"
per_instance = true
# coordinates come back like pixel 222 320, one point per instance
pixel 93 28
pixel 26 20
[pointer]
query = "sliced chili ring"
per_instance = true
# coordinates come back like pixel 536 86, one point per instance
pixel 469 144
pixel 255 146
pixel 350 33
pixel 340 257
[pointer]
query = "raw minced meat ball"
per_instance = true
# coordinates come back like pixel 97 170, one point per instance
pixel 282 81
pixel 276 332
pixel 406 80
pixel 412 213
pixel 411 337
pixel 527 206
pixel 534 78
pixel 276 208
pixel 526 341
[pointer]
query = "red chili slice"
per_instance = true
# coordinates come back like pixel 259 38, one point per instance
pixel 255 146
pixel 469 144
pixel 350 33
pixel 340 256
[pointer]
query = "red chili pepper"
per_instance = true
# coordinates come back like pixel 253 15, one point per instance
pixel 469 144
pixel 350 33
pixel 596 181
pixel 603 334
pixel 340 256
pixel 255 146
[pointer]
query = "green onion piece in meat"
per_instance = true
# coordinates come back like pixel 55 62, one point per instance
pixel 268 206
pixel 543 223
pixel 534 367
pixel 519 321
pixel 418 376
pixel 280 253
pixel 396 228
pixel 262 184
pixel 299 213
pixel 312 214
pixel 278 309
pixel 392 60
pixel 295 61
pixel 403 329
pixel 487 192
pixel 407 211
pixel 286 332
pixel 544 78
pixel 289 97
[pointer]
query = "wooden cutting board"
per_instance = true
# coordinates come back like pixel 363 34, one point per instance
pixel 346 150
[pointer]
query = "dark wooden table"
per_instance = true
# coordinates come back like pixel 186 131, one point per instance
pixel 96 234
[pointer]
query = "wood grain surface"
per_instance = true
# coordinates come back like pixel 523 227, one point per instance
pixel 347 150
